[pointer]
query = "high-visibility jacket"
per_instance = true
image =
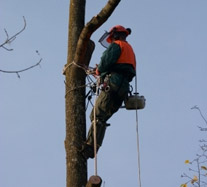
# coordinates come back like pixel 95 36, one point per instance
pixel 127 54
pixel 109 64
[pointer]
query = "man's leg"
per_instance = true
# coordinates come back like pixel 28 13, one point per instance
pixel 88 147
pixel 106 105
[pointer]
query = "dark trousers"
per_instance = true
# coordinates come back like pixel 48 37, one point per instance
pixel 106 105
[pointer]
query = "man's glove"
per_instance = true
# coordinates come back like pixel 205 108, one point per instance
pixel 97 72
pixel 94 71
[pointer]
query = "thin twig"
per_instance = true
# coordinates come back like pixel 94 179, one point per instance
pixel 22 70
pixel 196 107
pixel 12 38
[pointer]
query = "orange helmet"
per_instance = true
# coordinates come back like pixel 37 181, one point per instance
pixel 117 28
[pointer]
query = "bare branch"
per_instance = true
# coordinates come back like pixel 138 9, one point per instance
pixel 196 107
pixel 12 38
pixel 22 70
pixel 199 163
pixel 91 27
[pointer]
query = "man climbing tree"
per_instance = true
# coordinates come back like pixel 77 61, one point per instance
pixel 116 69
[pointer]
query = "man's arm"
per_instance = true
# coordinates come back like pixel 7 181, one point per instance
pixel 109 58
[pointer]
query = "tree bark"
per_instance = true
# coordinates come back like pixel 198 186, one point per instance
pixel 76 167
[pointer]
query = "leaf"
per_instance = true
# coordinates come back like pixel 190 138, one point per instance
pixel 183 185
pixel 187 162
pixel 204 167
pixel 195 179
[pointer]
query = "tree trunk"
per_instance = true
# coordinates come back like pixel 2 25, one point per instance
pixel 80 49
pixel 75 102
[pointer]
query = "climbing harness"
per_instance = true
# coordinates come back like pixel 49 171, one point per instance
pixel 104 83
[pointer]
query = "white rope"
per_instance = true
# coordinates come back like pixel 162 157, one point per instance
pixel 137 133
pixel 138 151
pixel 94 130
pixel 87 70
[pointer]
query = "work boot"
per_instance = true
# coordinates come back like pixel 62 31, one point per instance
pixel 88 147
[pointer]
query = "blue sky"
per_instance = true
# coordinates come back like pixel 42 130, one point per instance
pixel 170 42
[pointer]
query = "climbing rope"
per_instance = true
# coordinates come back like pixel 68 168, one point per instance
pixel 94 131
pixel 88 70
pixel 137 134
pixel 138 151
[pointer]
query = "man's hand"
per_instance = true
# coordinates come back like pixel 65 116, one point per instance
pixel 96 71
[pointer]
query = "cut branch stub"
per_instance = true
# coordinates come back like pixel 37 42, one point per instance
pixel 94 181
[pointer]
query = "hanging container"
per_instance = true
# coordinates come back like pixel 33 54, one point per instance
pixel 135 102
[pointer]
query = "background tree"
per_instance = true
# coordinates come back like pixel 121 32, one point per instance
pixel 8 41
pixel 198 169
pixel 80 49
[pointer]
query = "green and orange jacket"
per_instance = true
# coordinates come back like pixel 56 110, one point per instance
pixel 121 72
